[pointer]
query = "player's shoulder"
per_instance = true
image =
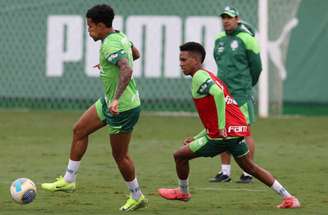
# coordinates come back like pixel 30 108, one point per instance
pixel 115 37
pixel 116 41
pixel 201 75
pixel 201 72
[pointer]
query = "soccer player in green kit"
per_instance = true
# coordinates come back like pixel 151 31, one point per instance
pixel 119 108
pixel 225 129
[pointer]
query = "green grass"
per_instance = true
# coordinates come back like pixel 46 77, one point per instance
pixel 36 145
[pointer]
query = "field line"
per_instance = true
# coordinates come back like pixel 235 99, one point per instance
pixel 229 189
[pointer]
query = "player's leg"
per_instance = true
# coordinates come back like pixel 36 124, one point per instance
pixel 201 147
pixel 248 165
pixel 258 172
pixel 88 123
pixel 246 178
pixel 251 146
pixel 248 110
pixel 120 145
pixel 181 157
pixel 120 129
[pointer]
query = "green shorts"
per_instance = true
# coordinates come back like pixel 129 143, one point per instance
pixel 121 123
pixel 248 110
pixel 205 147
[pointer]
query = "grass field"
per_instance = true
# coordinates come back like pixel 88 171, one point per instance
pixel 36 145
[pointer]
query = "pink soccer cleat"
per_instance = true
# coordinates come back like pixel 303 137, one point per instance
pixel 289 202
pixel 174 194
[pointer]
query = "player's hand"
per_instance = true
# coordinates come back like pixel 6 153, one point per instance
pixel 188 140
pixel 223 133
pixel 97 66
pixel 113 107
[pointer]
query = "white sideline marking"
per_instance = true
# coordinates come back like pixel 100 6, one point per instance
pixel 228 189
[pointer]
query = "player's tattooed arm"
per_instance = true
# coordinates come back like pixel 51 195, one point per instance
pixel 124 78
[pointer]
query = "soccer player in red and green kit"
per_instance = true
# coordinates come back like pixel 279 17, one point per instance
pixel 119 108
pixel 225 129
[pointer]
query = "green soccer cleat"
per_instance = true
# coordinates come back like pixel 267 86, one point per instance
pixel 132 204
pixel 59 185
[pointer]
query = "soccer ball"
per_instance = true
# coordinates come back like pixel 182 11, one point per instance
pixel 23 190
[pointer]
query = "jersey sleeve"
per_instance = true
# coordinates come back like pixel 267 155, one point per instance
pixel 218 95
pixel 204 86
pixel 114 51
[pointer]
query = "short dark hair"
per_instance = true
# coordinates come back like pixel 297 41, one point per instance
pixel 195 48
pixel 101 13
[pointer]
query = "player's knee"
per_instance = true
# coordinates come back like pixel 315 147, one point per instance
pixel 120 158
pixel 249 141
pixel 180 157
pixel 177 156
pixel 77 131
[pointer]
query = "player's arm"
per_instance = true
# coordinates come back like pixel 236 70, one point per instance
pixel 119 57
pixel 220 104
pixel 124 79
pixel 135 53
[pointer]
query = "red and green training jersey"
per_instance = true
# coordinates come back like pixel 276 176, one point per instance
pixel 216 107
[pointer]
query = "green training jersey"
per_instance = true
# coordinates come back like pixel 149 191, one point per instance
pixel 113 48
pixel 238 60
